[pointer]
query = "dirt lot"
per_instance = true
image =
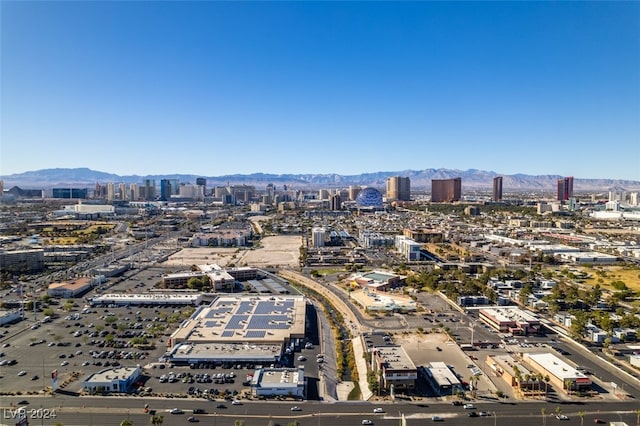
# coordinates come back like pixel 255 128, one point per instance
pixel 274 251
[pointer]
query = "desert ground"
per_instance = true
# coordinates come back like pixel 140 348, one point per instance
pixel 280 251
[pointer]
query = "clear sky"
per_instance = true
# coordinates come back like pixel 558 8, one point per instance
pixel 215 88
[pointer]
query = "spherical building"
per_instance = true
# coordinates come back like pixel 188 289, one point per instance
pixel 369 197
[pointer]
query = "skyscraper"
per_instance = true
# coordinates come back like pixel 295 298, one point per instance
pixel 335 202
pixel 565 188
pixel 497 188
pixel 446 190
pixel 398 188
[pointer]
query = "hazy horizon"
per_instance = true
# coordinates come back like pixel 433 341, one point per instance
pixel 219 88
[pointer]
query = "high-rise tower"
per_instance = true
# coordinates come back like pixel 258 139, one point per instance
pixel 497 188
pixel 565 188
pixel 399 188
pixel 446 190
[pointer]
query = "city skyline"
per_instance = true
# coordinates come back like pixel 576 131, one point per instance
pixel 217 88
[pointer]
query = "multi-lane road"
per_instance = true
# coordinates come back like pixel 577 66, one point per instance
pixel 87 411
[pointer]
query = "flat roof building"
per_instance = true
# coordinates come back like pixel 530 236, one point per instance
pixel 563 376
pixel 398 370
pixel 278 382
pixel 445 380
pixel 510 320
pixel 247 328
pixel 69 289
pixel 125 299
pixel 118 379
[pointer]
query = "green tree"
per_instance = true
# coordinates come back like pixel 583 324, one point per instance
pixel 126 422
pixel 156 419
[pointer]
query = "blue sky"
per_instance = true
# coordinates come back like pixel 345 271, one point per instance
pixel 215 88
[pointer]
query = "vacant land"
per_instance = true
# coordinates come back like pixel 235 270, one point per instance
pixel 605 275
pixel 282 251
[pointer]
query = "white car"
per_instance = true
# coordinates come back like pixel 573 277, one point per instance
pixel 302 358
pixel 236 402
pixel 367 422
pixel 296 408
pixel 176 411
pixel 437 419
pixel 22 373
pixel 469 407
pixel 378 410
pixel 64 363
pixel 562 417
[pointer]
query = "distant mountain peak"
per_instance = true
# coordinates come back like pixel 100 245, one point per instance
pixel 420 179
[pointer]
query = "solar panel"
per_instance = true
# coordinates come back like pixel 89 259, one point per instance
pixel 228 333
pixel 211 323
pixel 235 322
pixel 252 334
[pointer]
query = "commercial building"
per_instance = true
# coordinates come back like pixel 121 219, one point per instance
pixel 446 190
pixel 240 329
pixel 153 299
pixel 510 320
pixel 65 290
pixel 424 235
pixel 408 249
pixel 8 317
pixel 396 368
pixel 278 382
pixel 563 376
pixel 22 261
pixel 318 236
pixel 497 189
pixel 565 188
pixel 110 380
pixel 378 280
pixel 69 193
pixel 442 378
pixel 398 188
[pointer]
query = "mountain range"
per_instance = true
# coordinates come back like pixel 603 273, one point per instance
pixel 472 179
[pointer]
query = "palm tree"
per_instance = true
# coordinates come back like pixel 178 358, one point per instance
pixel 638 417
pixel 547 379
pixel 543 411
pixel 581 415
pixel 126 422
pixel 156 419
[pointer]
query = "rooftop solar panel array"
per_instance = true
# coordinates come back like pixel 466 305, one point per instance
pixel 219 310
pixel 253 334
pixel 211 323
pixel 236 322
pixel 228 333
pixel 245 308
pixel 269 322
